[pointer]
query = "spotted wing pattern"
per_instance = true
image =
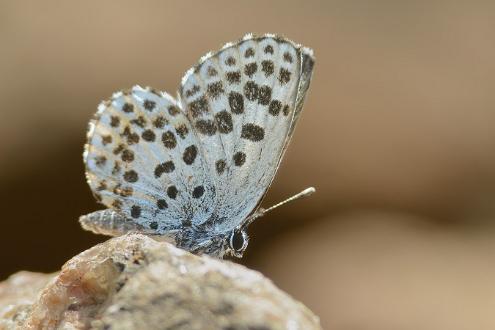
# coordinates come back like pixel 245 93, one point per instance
pixel 143 161
pixel 206 160
pixel 243 103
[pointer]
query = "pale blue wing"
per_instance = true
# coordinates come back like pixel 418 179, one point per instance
pixel 243 103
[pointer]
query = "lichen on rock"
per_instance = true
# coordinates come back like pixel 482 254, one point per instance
pixel 135 282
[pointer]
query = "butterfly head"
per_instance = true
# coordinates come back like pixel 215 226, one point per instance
pixel 231 243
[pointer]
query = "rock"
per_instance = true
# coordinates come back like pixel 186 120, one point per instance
pixel 135 282
pixel 17 294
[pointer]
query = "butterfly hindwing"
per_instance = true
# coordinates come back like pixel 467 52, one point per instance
pixel 143 160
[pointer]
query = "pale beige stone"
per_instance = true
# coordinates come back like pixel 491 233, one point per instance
pixel 17 294
pixel 134 282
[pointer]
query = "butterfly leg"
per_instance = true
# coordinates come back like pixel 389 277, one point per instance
pixel 108 222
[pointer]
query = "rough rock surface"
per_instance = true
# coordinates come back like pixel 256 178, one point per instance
pixel 17 295
pixel 134 282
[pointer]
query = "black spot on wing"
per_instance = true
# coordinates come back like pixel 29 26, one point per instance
pixel 236 103
pixel 206 127
pixel 169 140
pixel 114 121
pixel 172 192
pixel 267 67
pixel 124 192
pixel 220 166
pixel 274 107
pixel 284 76
pixel 106 139
pixel 198 191
pixel 192 91
pixel 149 105
pixel 161 204
pixel 190 154
pixel 252 132
pixel 160 121
pixel 286 110
pixel 265 95
pixel 173 110
pixel 166 167
pixel 249 52
pixel 239 158
pixel 250 69
pixel 139 121
pixel 100 161
pixel 212 72
pixel 182 131
pixel 131 176
pixel 224 122
pixel 132 138
pixel 154 91
pixel 118 149
pixel 128 107
pixel 233 77
pixel 251 90
pixel 148 135
pixel 287 57
pixel 230 61
pixel 199 106
pixel 214 90
pixel 116 168
pixel 127 156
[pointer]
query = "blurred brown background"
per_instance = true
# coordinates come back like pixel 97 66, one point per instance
pixel 397 135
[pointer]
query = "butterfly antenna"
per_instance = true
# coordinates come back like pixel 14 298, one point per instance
pixel 261 211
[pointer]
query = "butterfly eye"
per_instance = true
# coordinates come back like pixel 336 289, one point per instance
pixel 237 240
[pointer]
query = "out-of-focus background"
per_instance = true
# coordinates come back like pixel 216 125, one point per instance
pixel 397 135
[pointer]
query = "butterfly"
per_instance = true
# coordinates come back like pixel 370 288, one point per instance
pixel 193 170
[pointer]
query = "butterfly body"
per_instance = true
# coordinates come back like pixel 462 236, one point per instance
pixel 193 170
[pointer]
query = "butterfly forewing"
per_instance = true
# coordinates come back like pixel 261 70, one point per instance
pixel 143 160
pixel 241 102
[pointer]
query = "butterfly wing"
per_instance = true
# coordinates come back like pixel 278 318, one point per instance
pixel 243 103
pixel 142 160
